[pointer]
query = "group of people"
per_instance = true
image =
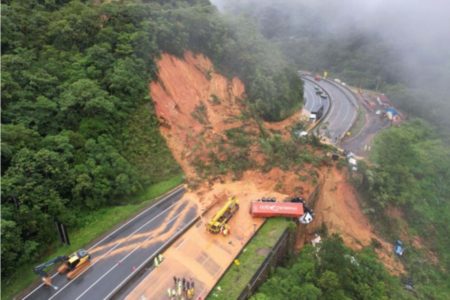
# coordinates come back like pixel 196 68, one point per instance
pixel 183 289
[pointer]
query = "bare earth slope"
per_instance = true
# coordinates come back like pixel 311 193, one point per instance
pixel 196 106
pixel 339 209
pixel 183 87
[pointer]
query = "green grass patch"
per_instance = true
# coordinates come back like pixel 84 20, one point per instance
pixel 94 224
pixel 251 258
pixel 359 123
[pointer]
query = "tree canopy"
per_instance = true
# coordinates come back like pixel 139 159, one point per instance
pixel 78 128
pixel 332 271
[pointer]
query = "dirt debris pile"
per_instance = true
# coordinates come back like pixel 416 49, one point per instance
pixel 201 111
pixel 338 208
pixel 195 104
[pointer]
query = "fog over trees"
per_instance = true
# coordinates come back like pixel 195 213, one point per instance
pixel 401 48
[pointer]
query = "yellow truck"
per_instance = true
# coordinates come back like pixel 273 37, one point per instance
pixel 218 224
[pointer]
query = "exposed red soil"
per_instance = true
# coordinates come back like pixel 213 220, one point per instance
pixel 338 208
pixel 284 126
pixel 183 86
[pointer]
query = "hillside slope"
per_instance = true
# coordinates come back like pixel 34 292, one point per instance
pixel 200 140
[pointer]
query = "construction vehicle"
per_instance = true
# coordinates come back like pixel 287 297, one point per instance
pixel 218 223
pixel 72 265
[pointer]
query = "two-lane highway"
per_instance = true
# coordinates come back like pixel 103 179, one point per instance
pixel 313 101
pixel 343 110
pixel 120 253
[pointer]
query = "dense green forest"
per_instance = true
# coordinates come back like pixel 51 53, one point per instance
pixel 411 162
pixel 366 50
pixel 333 272
pixel 412 171
pixel 78 128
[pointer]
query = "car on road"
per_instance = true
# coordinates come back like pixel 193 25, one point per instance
pixel 323 96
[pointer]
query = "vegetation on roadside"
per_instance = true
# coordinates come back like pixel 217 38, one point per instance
pixel 78 129
pixel 411 173
pixel 236 153
pixel 92 225
pixel 332 271
pixel 252 256
pixel 359 123
pixel 321 36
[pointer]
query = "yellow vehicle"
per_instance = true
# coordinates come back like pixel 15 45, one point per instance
pixel 218 223
pixel 72 265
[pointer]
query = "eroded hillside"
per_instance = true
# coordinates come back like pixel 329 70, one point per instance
pixel 208 127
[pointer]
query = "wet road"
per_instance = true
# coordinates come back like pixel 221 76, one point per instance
pixel 342 112
pixel 313 101
pixel 119 254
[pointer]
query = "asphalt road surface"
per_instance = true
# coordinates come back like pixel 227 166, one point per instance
pixel 342 112
pixel 313 101
pixel 119 254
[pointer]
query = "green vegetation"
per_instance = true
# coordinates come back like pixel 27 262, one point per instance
pixel 234 154
pixel 236 278
pixel 332 272
pixel 322 36
pixel 359 123
pixel 78 129
pixel 412 172
pixel 200 113
pixel 93 224
pixel 274 91
pixel 290 153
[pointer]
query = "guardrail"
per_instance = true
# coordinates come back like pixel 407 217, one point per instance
pixel 330 105
pixel 351 96
pixel 346 91
pixel 38 284
pixel 118 291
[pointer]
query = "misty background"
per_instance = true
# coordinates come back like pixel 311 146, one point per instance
pixel 399 47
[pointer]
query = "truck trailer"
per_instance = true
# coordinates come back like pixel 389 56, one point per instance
pixel 276 209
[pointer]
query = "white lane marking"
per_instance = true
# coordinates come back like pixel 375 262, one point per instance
pixel 353 112
pixel 121 227
pixel 143 263
pixel 315 98
pixel 338 108
pixel 335 115
pixel 334 112
pixel 310 97
pixel 110 250
pixel 348 111
pixel 122 260
pixel 345 109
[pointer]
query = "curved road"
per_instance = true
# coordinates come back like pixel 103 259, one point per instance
pixel 312 100
pixel 120 253
pixel 343 110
